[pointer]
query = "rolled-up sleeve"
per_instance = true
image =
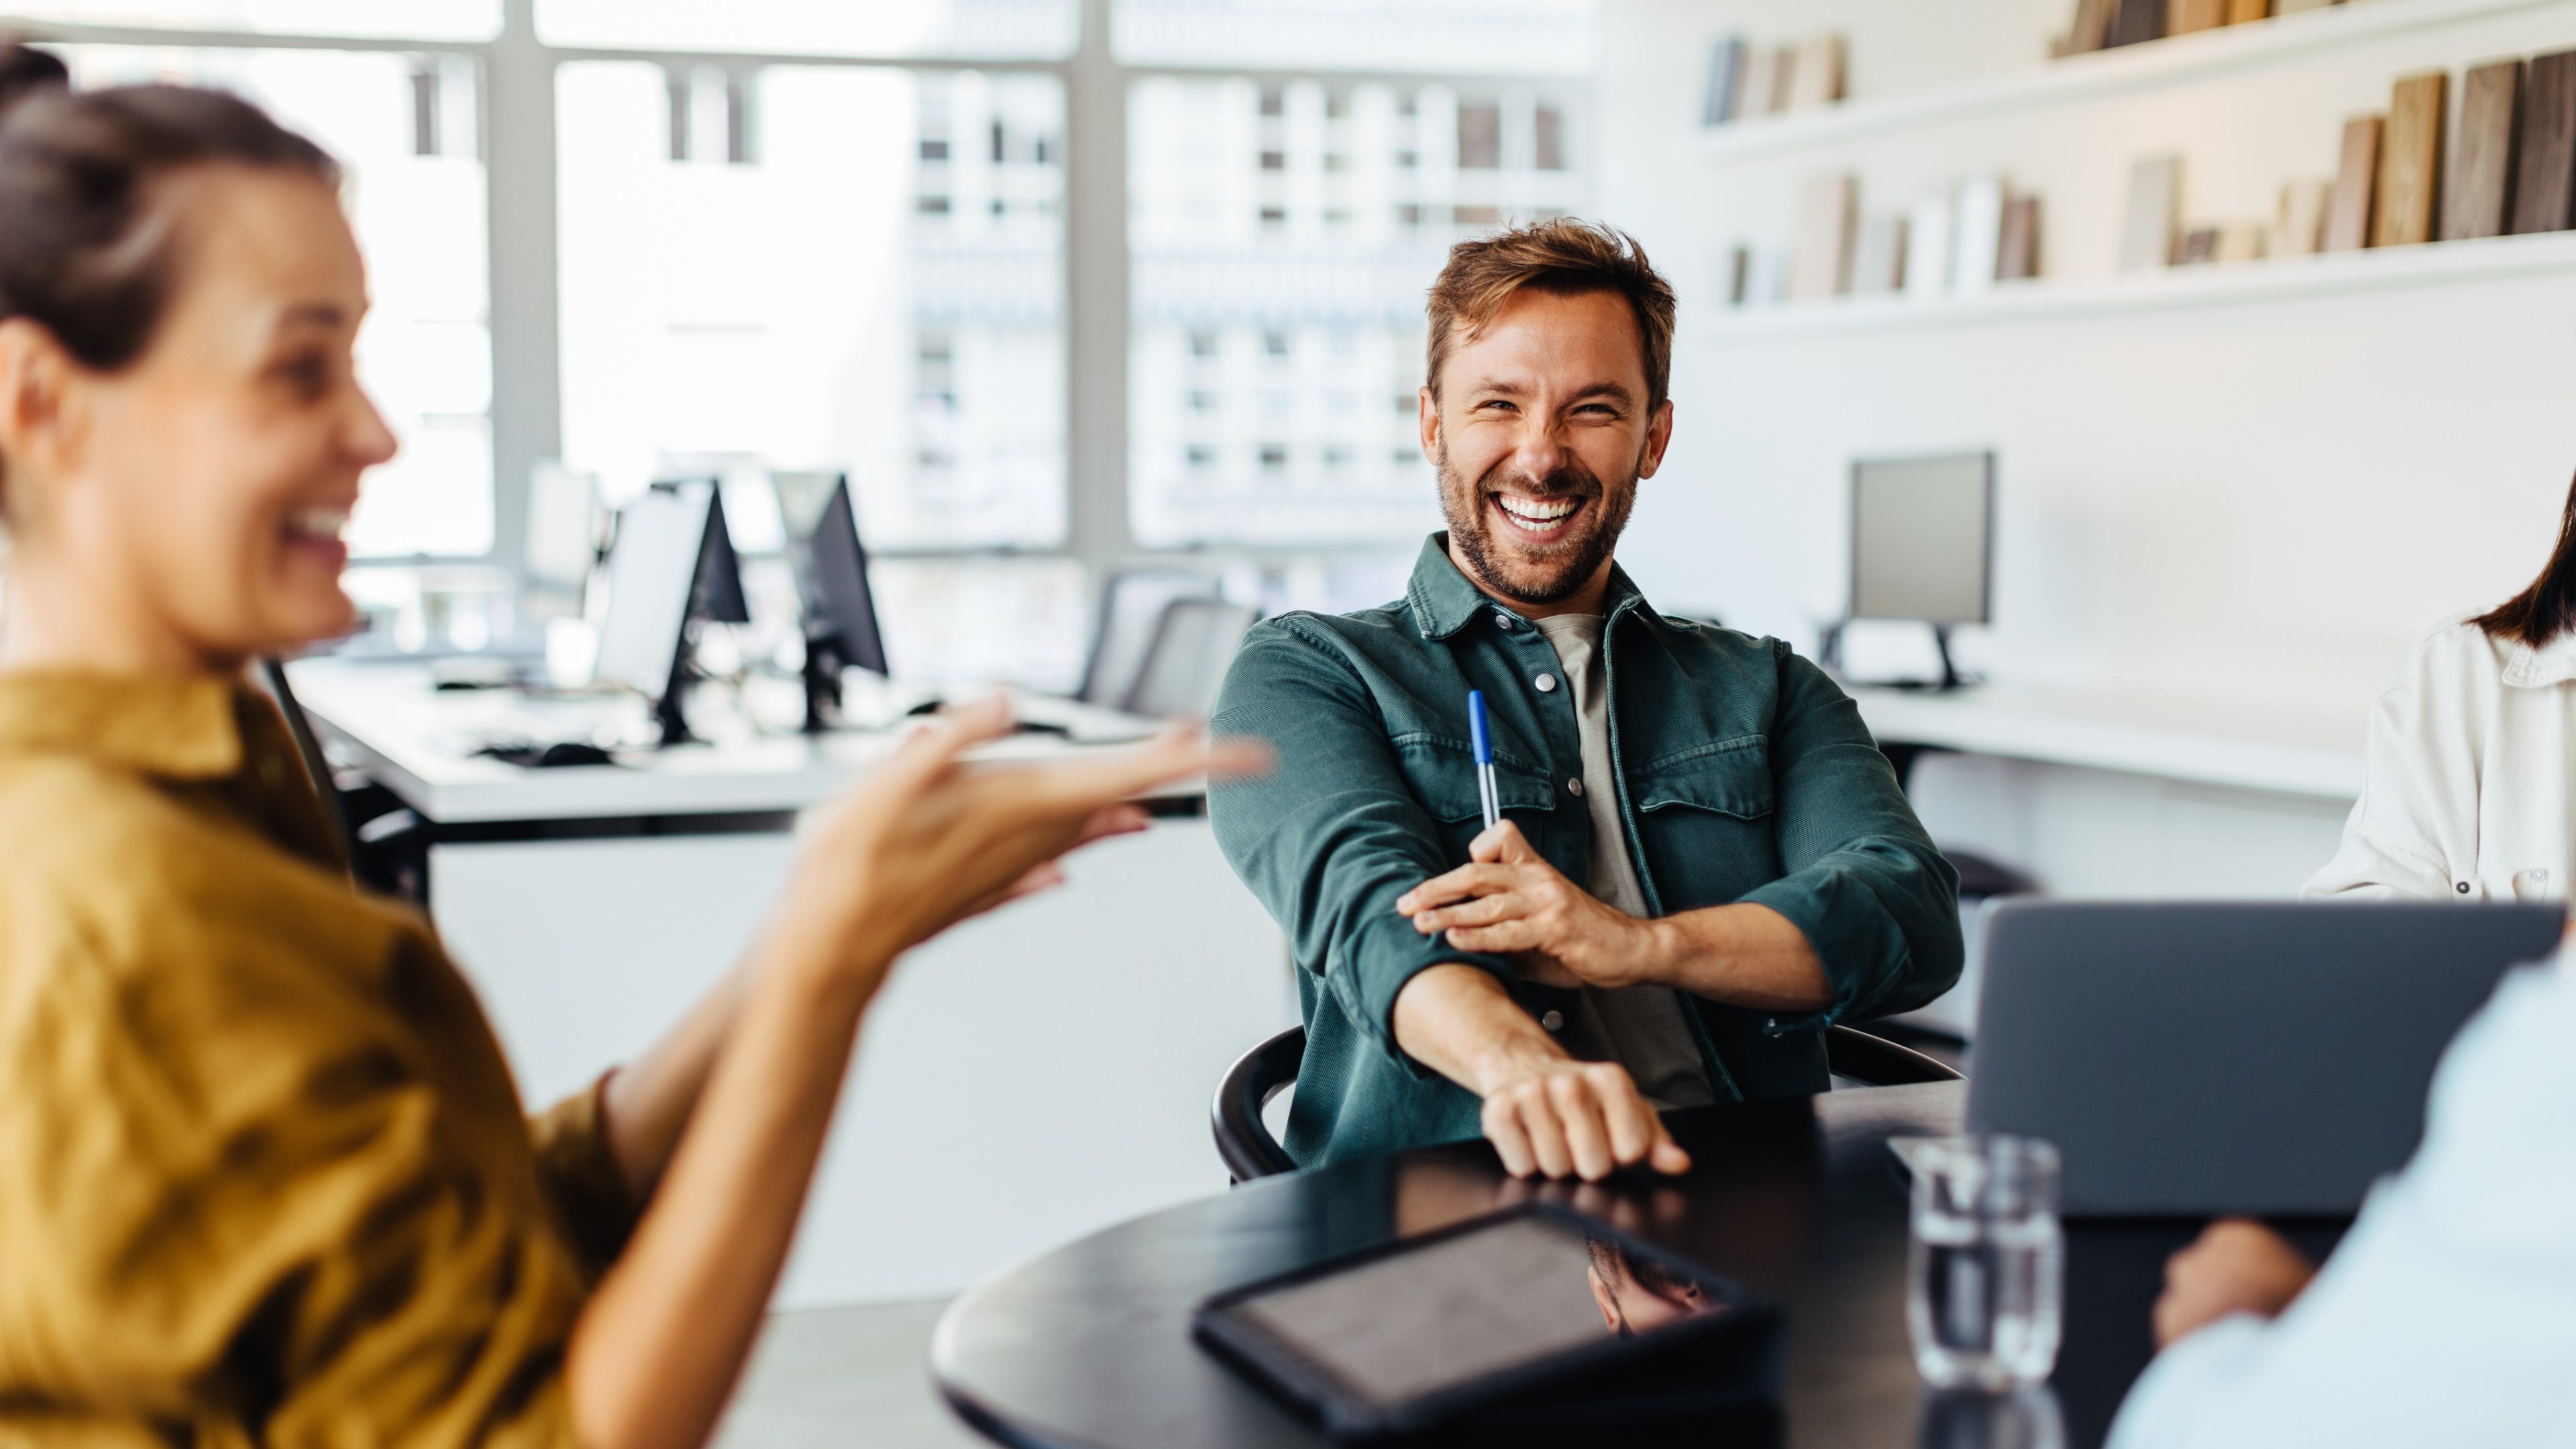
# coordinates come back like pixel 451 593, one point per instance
pixel 1330 838
pixel 1861 880
pixel 581 1178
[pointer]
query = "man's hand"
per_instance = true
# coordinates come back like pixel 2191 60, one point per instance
pixel 1544 1111
pixel 1562 1118
pixel 1511 902
pixel 2236 1266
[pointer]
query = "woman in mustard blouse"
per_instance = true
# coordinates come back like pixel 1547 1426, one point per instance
pixel 264 1176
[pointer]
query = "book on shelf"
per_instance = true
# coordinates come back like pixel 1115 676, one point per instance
pixel 1817 79
pixel 1979 248
pixel 2410 161
pixel 1820 259
pixel 1725 82
pixel 1927 247
pixel 2133 21
pixel 2348 211
pixel 2199 247
pixel 2544 178
pixel 2240 12
pixel 2017 258
pixel 1766 277
pixel 2479 199
pixel 1784 77
pixel 2155 208
pixel 1878 260
pixel 2092 27
pixel 2182 17
pixel 2299 221
pixel 1754 91
pixel 2242 241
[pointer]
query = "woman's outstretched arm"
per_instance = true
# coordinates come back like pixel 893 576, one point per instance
pixel 924 842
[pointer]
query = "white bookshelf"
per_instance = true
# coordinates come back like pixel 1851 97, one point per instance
pixel 2381 268
pixel 2082 79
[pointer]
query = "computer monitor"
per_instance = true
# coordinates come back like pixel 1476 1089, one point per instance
pixel 831 568
pixel 672 561
pixel 1922 543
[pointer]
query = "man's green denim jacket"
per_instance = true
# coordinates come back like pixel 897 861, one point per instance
pixel 1744 775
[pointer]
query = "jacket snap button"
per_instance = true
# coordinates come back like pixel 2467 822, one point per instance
pixel 1553 1021
pixel 2462 887
pixel 1545 683
pixel 1502 621
pixel 1574 788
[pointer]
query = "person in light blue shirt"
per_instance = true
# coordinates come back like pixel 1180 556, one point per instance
pixel 2448 1314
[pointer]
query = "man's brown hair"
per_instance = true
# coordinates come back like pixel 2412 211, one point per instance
pixel 1559 255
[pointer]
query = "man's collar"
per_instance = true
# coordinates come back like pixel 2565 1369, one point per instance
pixel 1444 600
pixel 175 727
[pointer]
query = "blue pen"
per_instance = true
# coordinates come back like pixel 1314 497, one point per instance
pixel 1482 737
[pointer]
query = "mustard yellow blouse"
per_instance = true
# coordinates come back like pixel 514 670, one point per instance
pixel 264 1176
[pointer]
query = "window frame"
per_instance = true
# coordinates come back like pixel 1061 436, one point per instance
pixel 517 96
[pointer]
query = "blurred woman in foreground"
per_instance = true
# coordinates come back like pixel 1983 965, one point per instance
pixel 263 1172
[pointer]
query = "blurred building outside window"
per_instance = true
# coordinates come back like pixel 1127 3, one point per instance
pixel 805 233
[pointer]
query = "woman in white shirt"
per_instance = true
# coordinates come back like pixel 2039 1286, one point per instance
pixel 2468 795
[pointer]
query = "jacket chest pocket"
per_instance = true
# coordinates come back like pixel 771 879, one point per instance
pixel 1442 774
pixel 1706 818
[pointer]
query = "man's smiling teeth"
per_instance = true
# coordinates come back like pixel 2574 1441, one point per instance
pixel 317 522
pixel 1535 512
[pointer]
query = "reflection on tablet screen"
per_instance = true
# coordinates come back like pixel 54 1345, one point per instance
pixel 1523 1290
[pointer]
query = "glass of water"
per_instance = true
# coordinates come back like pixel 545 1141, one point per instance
pixel 1987 1265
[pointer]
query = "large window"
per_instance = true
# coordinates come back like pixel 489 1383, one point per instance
pixel 406 128
pixel 1283 235
pixel 406 19
pixel 813 233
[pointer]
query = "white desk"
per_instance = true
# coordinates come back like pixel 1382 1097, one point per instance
pixel 418 742
pixel 2291 749
pixel 1029 1077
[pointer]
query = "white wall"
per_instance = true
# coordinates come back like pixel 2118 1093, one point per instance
pixel 2265 497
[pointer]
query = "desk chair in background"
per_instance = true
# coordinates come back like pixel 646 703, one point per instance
pixel 1244 1140
pixel 386 843
pixel 1131 610
pixel 1185 665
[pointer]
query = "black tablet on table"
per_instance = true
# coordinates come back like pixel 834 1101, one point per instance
pixel 1520 1306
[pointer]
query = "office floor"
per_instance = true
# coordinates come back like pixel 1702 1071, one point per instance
pixel 838 1378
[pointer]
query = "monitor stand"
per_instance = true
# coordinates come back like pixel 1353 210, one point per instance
pixel 1829 654
pixel 822 674
pixel 1951 679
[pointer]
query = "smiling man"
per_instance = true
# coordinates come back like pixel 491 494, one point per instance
pixel 1704 860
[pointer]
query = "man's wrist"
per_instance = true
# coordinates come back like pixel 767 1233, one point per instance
pixel 1664 952
pixel 1515 1051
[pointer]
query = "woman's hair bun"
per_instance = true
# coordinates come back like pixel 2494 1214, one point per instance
pixel 25 70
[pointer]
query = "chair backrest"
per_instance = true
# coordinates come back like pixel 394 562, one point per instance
pixel 1242 1138
pixel 269 676
pixel 1186 666
pixel 1874 1061
pixel 1131 609
pixel 1250 1151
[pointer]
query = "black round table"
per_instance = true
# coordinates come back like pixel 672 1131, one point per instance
pixel 1089 1347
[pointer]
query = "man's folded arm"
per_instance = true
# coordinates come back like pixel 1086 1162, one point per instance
pixel 1861 880
pixel 1333 835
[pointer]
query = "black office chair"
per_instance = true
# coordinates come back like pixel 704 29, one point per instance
pixel 385 843
pixel 1244 1140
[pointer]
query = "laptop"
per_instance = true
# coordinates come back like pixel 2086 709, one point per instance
pixel 2246 1057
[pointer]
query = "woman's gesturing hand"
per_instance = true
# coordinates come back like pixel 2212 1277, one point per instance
pixel 928 838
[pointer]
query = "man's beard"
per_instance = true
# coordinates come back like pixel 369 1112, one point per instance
pixel 1540 574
